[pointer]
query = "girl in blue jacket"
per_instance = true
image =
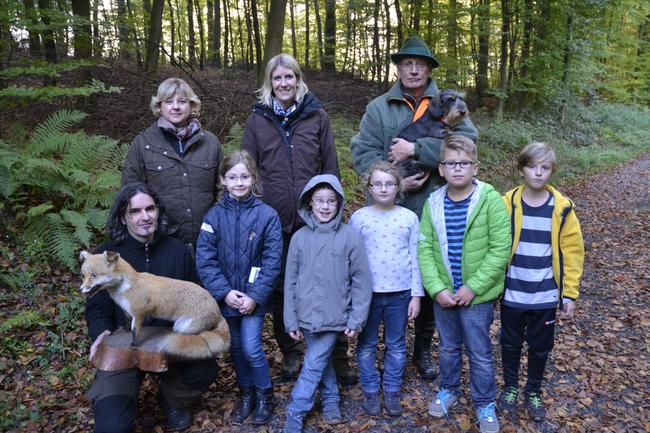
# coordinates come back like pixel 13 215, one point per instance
pixel 238 260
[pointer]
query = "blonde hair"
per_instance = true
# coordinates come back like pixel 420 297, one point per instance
pixel 536 152
pixel 286 61
pixel 171 87
pixel 458 143
pixel 241 157
pixel 388 168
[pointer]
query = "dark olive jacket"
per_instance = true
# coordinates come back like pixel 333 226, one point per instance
pixel 287 157
pixel 187 185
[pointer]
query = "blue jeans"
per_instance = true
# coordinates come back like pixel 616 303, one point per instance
pixel 469 326
pixel 251 365
pixel 317 373
pixel 392 308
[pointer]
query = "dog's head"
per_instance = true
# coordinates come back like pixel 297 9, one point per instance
pixel 452 106
pixel 98 272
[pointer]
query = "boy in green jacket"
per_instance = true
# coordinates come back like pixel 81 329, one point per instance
pixel 463 250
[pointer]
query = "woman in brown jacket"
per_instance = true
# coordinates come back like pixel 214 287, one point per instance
pixel 289 135
pixel 177 158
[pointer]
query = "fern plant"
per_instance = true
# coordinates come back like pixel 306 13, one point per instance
pixel 61 183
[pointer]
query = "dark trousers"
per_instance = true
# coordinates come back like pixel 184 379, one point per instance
pixel 425 324
pixel 289 346
pixel 114 394
pixel 537 328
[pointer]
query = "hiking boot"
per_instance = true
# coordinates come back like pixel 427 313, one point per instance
pixel 442 402
pixel 290 366
pixel 393 403
pixel 263 411
pixel 535 406
pixel 487 418
pixel 244 406
pixel 371 405
pixel 332 414
pixel 507 402
pixel 424 363
pixel 293 424
pixel 344 373
pixel 178 419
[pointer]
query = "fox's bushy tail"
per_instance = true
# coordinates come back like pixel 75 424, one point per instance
pixel 206 344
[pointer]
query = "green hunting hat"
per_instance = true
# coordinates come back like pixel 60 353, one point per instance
pixel 415 47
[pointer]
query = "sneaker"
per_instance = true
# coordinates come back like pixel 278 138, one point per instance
pixel 487 418
pixel 332 414
pixel 535 406
pixel 507 402
pixel 293 424
pixel 442 402
pixel 371 405
pixel 393 403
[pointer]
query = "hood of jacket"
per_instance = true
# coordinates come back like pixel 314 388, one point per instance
pixel 304 208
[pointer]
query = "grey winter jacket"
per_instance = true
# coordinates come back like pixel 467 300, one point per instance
pixel 187 185
pixel 328 284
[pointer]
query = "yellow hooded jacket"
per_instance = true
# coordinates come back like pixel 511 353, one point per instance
pixel 566 239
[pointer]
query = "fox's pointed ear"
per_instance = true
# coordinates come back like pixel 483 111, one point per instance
pixel 83 256
pixel 111 256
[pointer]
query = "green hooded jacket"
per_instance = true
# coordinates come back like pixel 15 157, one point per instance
pixel 486 244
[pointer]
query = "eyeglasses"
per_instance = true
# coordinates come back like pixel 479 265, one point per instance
pixel 320 202
pixel 409 64
pixel 454 164
pixel 244 178
pixel 380 185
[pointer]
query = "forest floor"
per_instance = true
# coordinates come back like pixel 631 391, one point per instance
pixel 597 377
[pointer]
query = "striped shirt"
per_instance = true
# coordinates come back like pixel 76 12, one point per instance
pixel 529 281
pixel 455 223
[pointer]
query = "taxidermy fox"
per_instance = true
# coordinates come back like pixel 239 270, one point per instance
pixel 200 331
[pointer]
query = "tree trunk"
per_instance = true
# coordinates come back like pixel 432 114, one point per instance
pixel 172 28
pixel 122 29
pixel 249 36
pixel 216 47
pixel 376 56
pixel 97 40
pixel 319 31
pixel 273 44
pixel 258 39
pixel 452 42
pixel 387 60
pixel 566 63
pixel 294 45
pixel 415 17
pixel 329 59
pixel 483 49
pixel 210 22
pixel 503 59
pixel 153 39
pixel 136 36
pixel 240 35
pixel 48 36
pixel 35 48
pixel 307 35
pixel 199 20
pixel 191 38
pixel 400 24
pixel 348 35
pixel 226 25
pixel 524 60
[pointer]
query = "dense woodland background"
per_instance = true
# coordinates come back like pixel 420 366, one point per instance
pixel 76 78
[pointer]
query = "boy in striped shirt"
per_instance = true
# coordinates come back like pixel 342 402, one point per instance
pixel 544 273
pixel 463 250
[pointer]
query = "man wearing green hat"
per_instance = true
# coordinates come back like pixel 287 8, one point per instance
pixel 385 117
